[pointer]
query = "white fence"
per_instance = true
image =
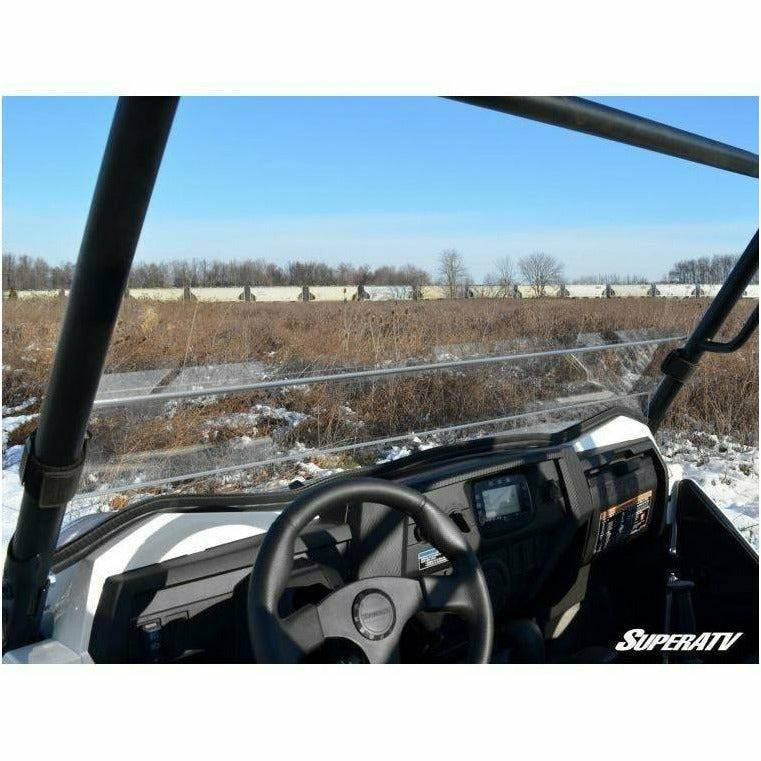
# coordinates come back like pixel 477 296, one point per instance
pixel 403 292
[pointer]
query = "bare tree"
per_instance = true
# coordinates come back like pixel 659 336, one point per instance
pixel 540 270
pixel 453 274
pixel 503 276
pixel 703 270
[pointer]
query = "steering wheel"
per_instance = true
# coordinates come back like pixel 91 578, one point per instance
pixel 370 612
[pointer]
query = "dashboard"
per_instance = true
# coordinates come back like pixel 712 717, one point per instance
pixel 522 514
pixel 527 508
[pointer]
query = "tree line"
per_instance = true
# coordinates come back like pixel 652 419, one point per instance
pixel 703 270
pixel 25 273
pixel 538 269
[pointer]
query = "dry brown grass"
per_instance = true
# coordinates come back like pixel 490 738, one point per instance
pixel 723 397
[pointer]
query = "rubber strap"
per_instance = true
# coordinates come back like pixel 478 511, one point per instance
pixel 677 366
pixel 50 485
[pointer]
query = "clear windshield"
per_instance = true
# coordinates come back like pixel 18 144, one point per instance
pixel 401 377
pixel 215 396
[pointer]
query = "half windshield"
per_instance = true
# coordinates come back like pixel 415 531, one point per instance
pixel 326 387
pixel 326 284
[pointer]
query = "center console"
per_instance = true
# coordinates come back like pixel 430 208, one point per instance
pixel 521 515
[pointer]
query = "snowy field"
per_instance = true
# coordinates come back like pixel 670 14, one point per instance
pixel 726 470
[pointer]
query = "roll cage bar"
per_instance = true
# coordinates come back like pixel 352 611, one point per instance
pixel 55 452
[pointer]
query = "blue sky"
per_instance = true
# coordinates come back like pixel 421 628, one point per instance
pixel 386 180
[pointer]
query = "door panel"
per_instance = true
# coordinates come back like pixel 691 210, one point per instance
pixel 724 569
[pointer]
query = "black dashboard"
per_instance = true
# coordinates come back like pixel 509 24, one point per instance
pixel 521 514
pixel 527 511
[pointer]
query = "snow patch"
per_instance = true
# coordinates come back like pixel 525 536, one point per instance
pixel 11 423
pixel 311 470
pixel 258 413
pixel 725 470
pixel 12 456
pixel 13 491
pixel 19 407
pixel 397 452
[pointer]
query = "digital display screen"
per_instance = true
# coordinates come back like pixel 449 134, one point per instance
pixel 502 501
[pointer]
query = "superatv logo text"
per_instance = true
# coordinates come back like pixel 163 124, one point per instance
pixel 639 639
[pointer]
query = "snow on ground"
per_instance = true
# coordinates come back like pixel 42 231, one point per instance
pixel 396 452
pixel 20 407
pixel 11 423
pixel 726 470
pixel 12 489
pixel 283 419
pixel 12 493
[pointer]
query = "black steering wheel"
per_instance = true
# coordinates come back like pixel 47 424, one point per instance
pixel 370 612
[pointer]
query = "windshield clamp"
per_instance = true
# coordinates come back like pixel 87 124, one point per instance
pixel 677 366
pixel 50 485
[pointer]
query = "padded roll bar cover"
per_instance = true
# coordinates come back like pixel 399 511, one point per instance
pixel 274 562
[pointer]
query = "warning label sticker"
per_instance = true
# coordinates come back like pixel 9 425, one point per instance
pixel 430 558
pixel 624 520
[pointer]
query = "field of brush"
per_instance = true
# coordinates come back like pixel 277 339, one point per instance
pixel 292 340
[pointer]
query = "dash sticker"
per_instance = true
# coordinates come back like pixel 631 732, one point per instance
pixel 430 558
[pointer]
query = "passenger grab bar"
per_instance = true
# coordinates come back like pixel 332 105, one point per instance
pixel 727 347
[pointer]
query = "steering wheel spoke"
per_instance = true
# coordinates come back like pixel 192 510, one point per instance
pixel 302 634
pixel 446 593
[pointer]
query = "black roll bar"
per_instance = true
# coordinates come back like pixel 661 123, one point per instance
pixel 583 115
pixel 727 347
pixel 54 454
pixel 681 363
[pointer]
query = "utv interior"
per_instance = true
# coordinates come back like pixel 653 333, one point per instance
pixel 524 547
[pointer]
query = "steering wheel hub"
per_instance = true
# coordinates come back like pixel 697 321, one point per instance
pixel 374 614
